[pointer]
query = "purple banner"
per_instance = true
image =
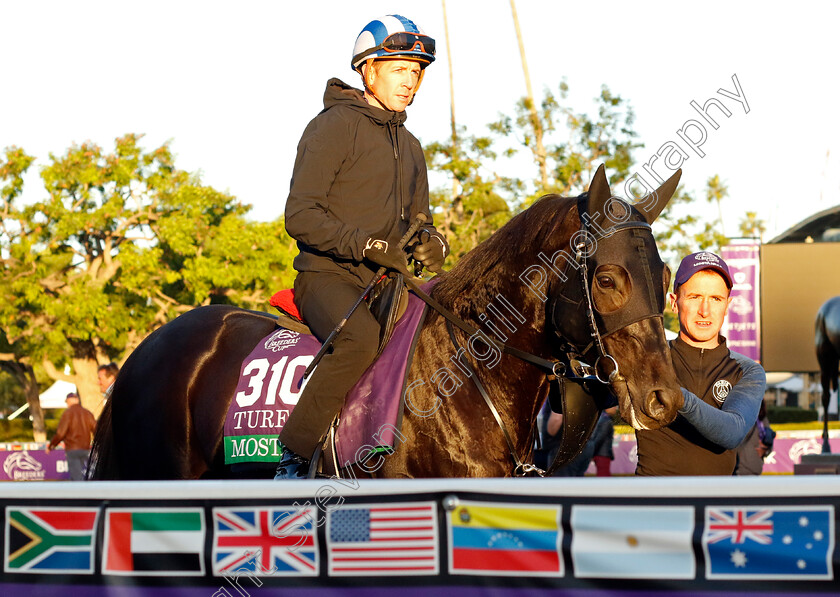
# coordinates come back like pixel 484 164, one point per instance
pixel 741 327
pixel 33 465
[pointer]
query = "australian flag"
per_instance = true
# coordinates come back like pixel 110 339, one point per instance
pixel 769 543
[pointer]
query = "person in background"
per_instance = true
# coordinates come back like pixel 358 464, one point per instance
pixel 602 440
pixel 75 429
pixel 107 374
pixel 756 446
pixel 722 389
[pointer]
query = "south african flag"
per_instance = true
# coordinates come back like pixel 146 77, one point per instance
pixel 49 540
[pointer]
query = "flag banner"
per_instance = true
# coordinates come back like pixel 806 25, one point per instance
pixel 465 537
pixel 633 542
pixel 154 542
pixel 265 541
pixel 49 540
pixel 774 542
pixel 504 539
pixel 383 539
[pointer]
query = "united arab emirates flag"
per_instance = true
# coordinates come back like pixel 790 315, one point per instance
pixel 154 542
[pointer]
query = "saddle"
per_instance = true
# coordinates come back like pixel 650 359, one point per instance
pixel 387 302
pixel 373 408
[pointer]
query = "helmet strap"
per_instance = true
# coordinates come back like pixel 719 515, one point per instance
pixel 367 74
pixel 417 87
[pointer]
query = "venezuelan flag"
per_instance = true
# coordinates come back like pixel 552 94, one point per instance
pixel 507 539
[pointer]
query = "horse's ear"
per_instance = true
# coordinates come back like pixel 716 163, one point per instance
pixel 599 192
pixel 652 205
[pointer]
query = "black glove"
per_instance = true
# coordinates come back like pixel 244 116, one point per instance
pixel 386 254
pixel 432 250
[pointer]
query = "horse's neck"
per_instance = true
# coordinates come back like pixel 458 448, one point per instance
pixel 492 289
pixel 514 315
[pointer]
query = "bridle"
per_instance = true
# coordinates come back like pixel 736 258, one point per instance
pixel 642 305
pixel 579 408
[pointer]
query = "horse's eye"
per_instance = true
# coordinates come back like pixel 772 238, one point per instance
pixel 606 282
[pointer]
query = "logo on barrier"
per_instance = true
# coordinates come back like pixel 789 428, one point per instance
pixel 20 466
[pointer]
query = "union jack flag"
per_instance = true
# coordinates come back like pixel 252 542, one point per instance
pixel 265 541
pixel 740 525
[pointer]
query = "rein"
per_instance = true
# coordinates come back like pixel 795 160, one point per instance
pixel 569 367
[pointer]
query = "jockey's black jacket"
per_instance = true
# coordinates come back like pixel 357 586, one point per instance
pixel 679 448
pixel 358 174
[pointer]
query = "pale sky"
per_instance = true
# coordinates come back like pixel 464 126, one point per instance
pixel 232 85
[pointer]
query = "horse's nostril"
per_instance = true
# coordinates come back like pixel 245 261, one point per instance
pixel 656 404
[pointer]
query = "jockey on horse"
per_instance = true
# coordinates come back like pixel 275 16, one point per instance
pixel 359 179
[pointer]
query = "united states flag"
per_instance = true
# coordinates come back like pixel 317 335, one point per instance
pixel 388 540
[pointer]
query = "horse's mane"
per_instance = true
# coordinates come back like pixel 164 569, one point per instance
pixel 481 273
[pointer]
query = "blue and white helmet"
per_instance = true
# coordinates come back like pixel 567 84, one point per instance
pixel 393 36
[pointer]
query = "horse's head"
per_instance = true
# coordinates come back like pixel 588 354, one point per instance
pixel 608 306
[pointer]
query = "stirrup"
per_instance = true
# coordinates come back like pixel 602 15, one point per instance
pixel 291 466
pixel 319 457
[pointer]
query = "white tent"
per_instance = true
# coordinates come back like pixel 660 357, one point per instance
pixel 795 384
pixel 53 397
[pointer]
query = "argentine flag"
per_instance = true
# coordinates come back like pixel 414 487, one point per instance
pixel 633 542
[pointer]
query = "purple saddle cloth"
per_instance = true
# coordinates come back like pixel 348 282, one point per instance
pixel 270 386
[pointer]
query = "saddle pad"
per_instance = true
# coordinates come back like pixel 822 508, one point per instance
pixel 270 385
pixel 268 389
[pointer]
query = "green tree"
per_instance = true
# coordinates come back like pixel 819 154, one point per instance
pixel 752 226
pixel 123 242
pixel 14 357
pixel 576 142
pixel 478 209
pixel 11 391
pixel 483 200
pixel 717 191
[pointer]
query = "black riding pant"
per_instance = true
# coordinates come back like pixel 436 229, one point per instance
pixel 323 300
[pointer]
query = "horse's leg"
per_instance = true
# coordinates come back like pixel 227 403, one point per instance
pixel 825 378
pixel 829 363
pixel 827 357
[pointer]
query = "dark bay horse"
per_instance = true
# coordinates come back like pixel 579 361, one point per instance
pixel 827 341
pixel 585 275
